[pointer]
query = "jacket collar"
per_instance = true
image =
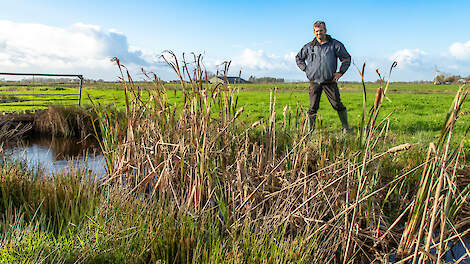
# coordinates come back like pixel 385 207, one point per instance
pixel 315 41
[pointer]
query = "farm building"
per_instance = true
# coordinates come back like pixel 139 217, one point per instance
pixel 232 80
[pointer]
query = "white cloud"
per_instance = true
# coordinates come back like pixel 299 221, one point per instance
pixel 290 56
pixel 259 63
pixel 80 48
pixel 416 64
pixel 460 51
pixel 410 58
pixel 259 60
pixel 253 59
pixel 413 64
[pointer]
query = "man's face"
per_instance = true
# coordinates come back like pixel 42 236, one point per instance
pixel 320 32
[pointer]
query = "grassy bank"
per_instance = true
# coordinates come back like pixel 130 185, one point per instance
pixel 71 218
pixel 199 181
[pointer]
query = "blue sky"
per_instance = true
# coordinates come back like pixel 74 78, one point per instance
pixel 261 38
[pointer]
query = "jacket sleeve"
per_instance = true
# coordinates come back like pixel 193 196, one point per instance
pixel 343 56
pixel 301 57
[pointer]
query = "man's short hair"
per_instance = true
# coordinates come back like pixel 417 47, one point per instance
pixel 319 24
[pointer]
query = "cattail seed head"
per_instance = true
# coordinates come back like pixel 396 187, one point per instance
pixel 378 97
pixel 239 112
pixel 399 148
pixel 257 123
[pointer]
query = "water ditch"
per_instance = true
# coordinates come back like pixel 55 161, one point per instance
pixel 55 154
pixel 456 253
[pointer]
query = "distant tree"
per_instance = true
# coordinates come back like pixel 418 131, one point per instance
pixel 452 78
pixel 253 79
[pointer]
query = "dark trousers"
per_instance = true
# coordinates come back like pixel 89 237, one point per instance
pixel 332 93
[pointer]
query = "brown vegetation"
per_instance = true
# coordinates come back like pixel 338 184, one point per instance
pixel 57 121
pixel 266 177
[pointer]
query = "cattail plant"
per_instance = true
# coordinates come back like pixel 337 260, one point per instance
pixel 200 157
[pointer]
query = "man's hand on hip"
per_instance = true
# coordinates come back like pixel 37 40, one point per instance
pixel 336 76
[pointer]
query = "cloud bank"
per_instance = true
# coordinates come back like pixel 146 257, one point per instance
pixel 460 51
pixel 416 64
pixel 78 49
pixel 87 49
pixel 259 63
pixel 413 64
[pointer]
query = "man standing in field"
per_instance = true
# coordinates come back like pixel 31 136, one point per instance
pixel 318 59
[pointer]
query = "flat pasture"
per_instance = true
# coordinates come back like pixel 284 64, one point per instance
pixel 415 111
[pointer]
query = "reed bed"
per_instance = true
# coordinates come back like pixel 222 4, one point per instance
pixel 10 131
pixel 273 176
pixel 67 122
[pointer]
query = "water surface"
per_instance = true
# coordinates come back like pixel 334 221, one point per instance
pixel 54 154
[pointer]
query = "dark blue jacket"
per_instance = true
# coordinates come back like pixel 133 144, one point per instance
pixel 320 61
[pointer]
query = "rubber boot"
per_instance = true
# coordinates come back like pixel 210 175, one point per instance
pixel 311 119
pixel 343 116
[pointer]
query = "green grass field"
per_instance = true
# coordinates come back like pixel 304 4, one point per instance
pixel 370 86
pixel 417 110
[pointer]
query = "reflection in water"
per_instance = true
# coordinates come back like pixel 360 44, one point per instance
pixel 56 154
pixel 457 252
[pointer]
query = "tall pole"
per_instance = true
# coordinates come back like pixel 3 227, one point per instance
pixel 80 94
